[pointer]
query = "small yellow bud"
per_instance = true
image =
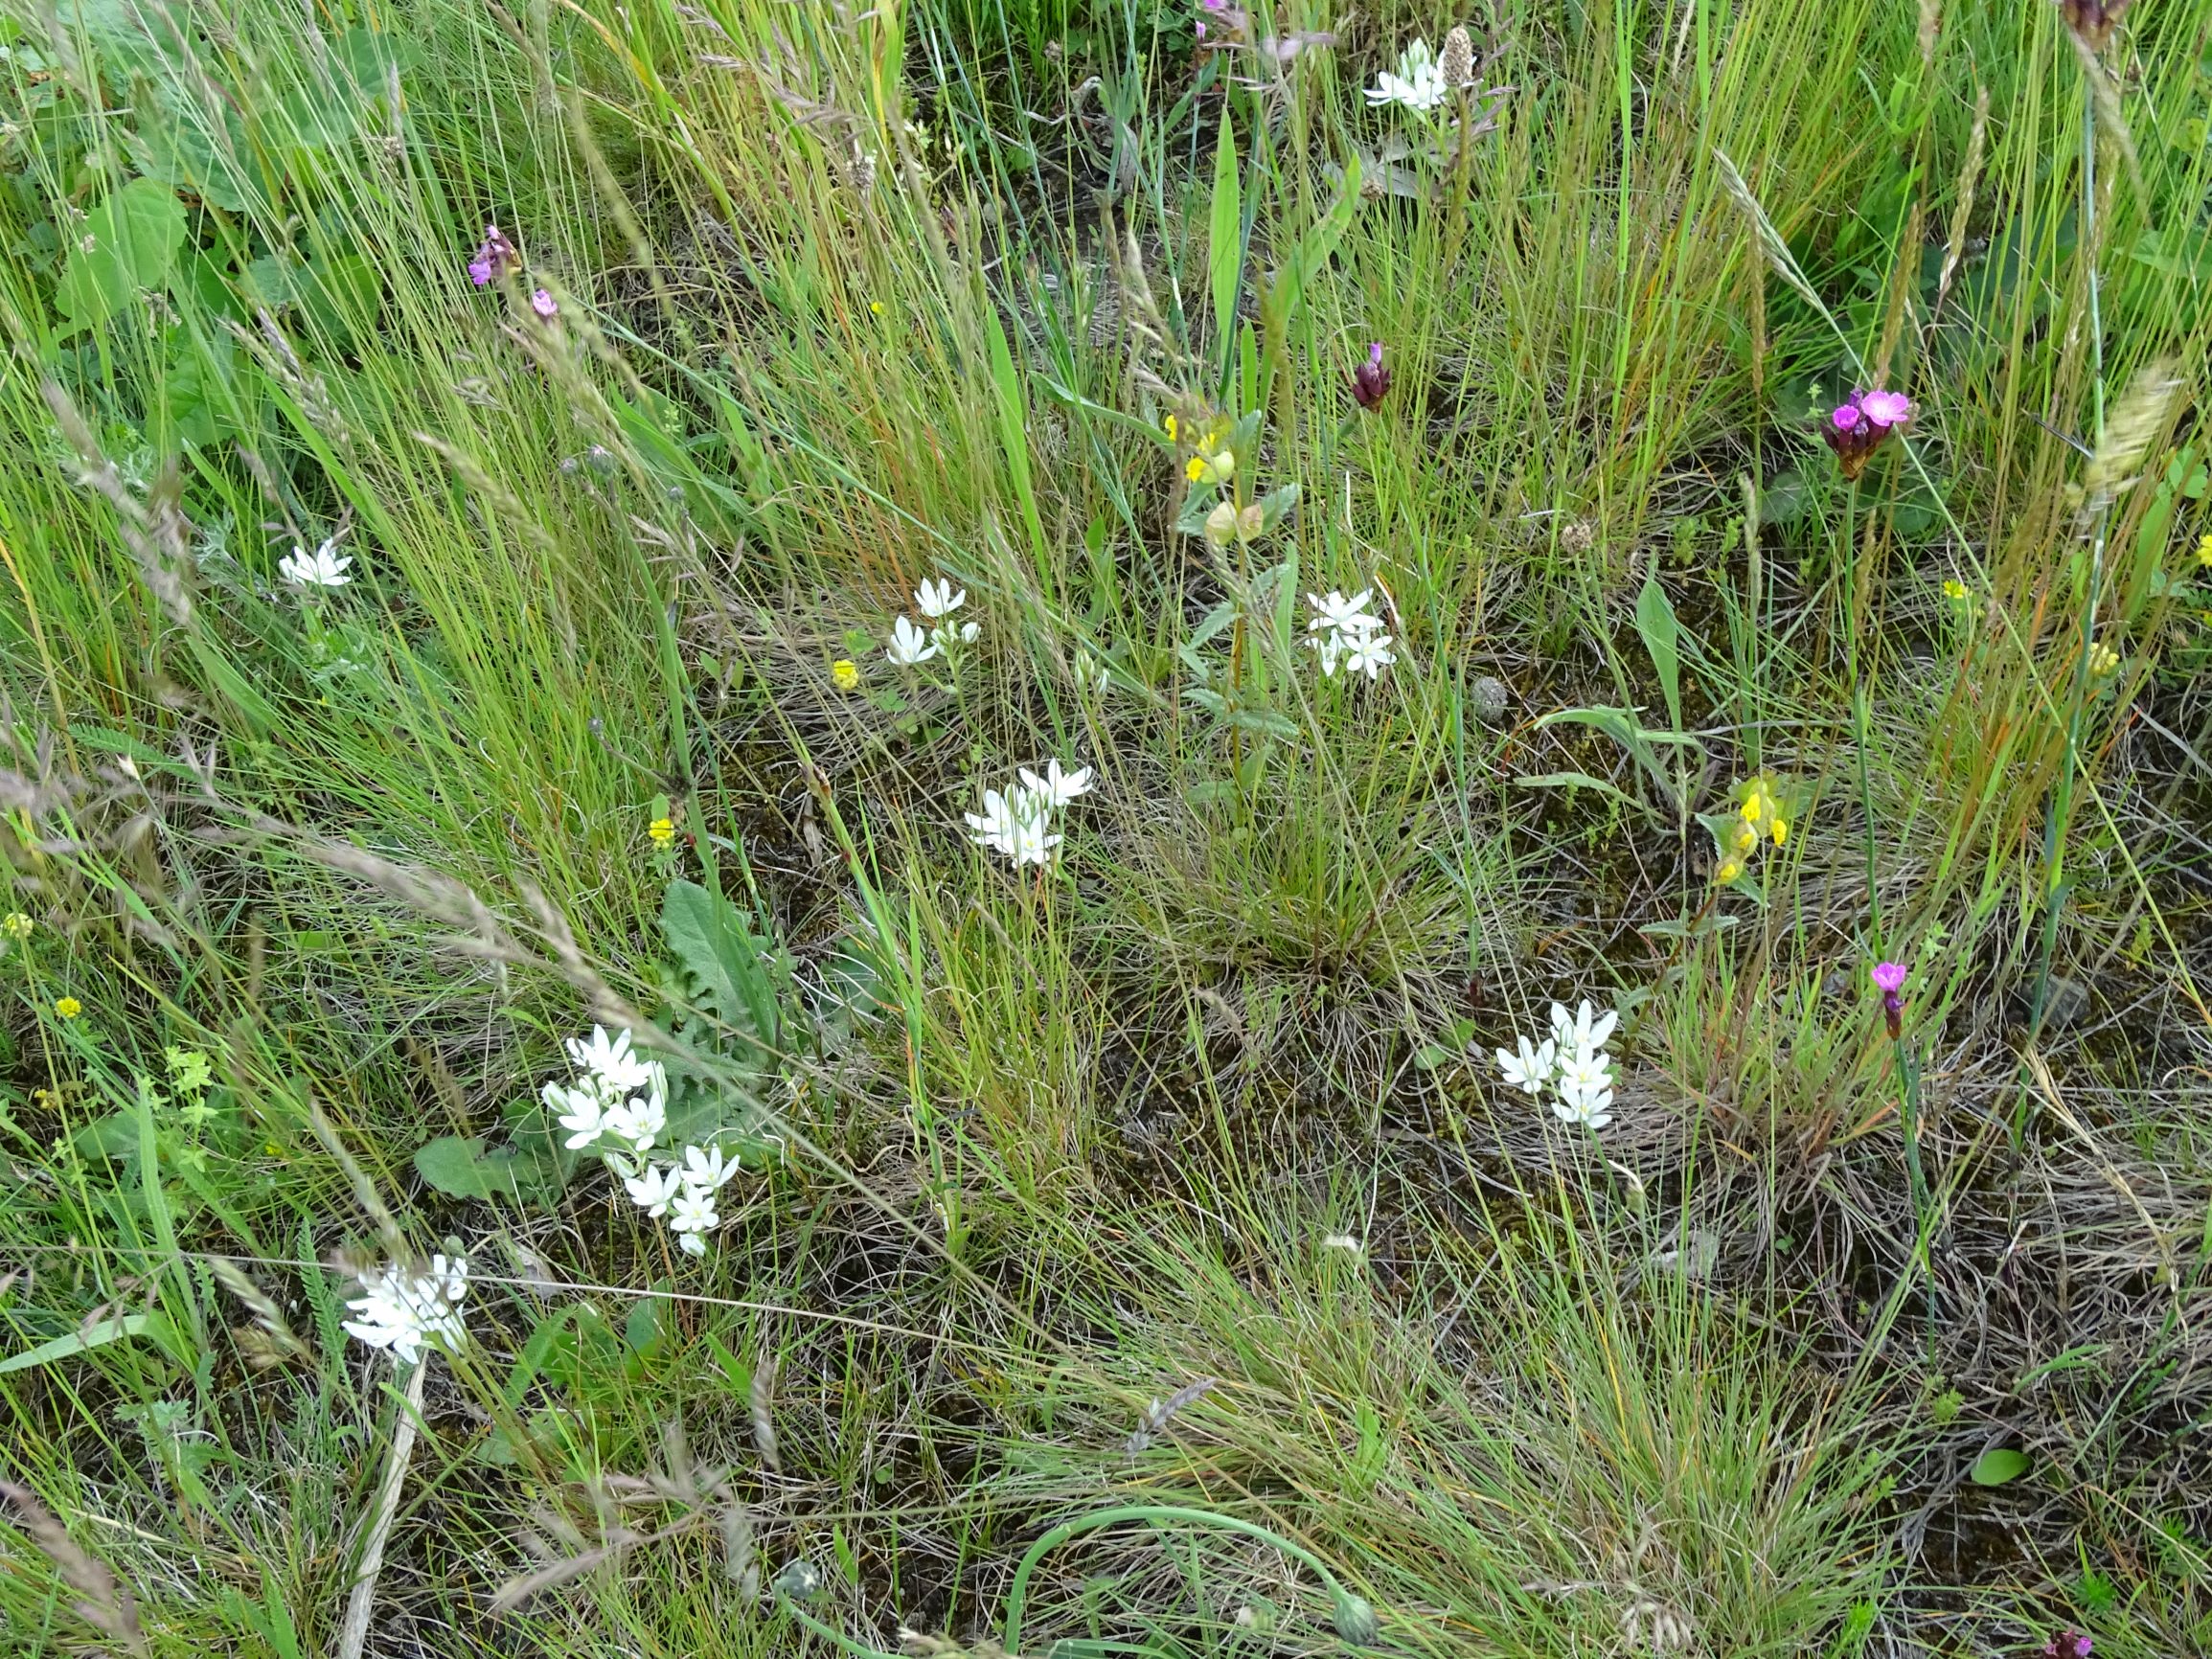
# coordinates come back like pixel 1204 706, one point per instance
pixel 1781 830
pixel 1731 869
pixel 68 1008
pixel 1745 838
pixel 1195 468
pixel 1751 808
pixel 2204 549
pixel 662 830
pixel 1953 589
pixel 845 673
pixel 1170 428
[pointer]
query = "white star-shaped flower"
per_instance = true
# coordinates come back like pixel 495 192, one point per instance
pixel 1531 1069
pixel 909 647
pixel 325 567
pixel 937 599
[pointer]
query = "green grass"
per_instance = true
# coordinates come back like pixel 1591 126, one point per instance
pixel 851 299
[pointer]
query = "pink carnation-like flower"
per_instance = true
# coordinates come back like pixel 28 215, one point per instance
pixel 1857 426
pixel 1889 976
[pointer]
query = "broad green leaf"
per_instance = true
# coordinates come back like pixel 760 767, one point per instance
pixel 732 971
pixel 1225 236
pixel 461 1165
pixel 129 243
pixel 1999 1466
pixel 95 1336
pixel 1662 639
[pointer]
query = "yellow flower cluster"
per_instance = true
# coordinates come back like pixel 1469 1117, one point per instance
pixel 2205 550
pixel 1212 461
pixel 68 1007
pixel 663 832
pixel 1759 817
pixel 845 673
pixel 2102 659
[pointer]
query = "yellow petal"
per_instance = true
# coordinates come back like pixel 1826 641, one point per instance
pixel 1781 832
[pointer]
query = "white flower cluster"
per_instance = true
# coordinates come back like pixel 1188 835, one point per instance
pixel 619 1104
pixel 407 1311
pixel 1418 85
pixel 1571 1063
pixel 1019 822
pixel 1346 632
pixel 936 600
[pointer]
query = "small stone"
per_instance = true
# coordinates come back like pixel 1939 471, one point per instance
pixel 1489 697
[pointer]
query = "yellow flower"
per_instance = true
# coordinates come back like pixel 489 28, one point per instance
pixel 68 1008
pixel 1168 425
pixel 1745 838
pixel 663 832
pixel 1752 805
pixel 1215 468
pixel 845 673
pixel 17 926
pixel 2204 549
pixel 1953 589
pixel 2102 659
pixel 1779 830
pixel 875 308
pixel 1731 869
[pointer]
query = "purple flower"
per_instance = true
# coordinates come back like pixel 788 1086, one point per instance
pixel 545 305
pixel 1371 380
pixel 1890 980
pixel 495 259
pixel 1856 428
pixel 2068 1645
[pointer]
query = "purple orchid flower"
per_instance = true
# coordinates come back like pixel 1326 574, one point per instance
pixel 495 259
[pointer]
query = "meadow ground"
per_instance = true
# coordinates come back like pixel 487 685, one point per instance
pixel 1080 614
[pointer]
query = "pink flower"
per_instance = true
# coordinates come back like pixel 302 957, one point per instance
pixel 544 305
pixel 1846 419
pixel 1890 980
pixel 1886 408
pixel 2071 1645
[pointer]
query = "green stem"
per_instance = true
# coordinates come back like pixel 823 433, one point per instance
pixel 1018 1594
pixel 2058 813
pixel 1923 1206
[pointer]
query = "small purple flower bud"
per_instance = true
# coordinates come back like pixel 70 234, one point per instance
pixel 2068 1645
pixel 545 305
pixel 1371 380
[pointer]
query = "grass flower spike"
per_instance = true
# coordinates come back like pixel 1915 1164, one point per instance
pixel 406 1311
